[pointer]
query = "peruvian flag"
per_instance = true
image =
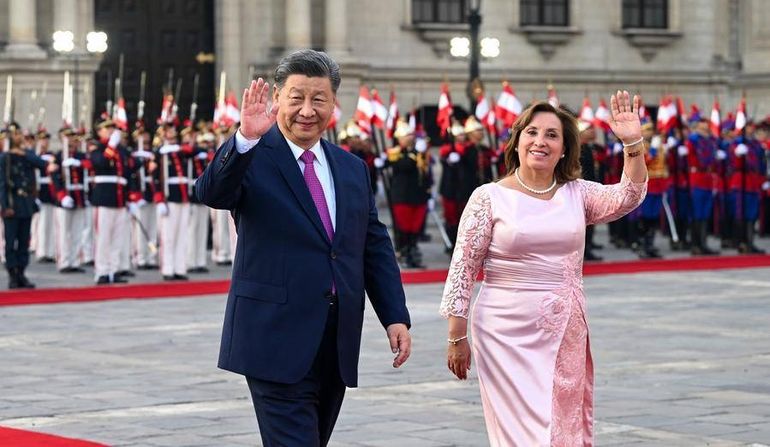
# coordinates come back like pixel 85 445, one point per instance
pixel 716 120
pixel 602 115
pixel 740 115
pixel 491 121
pixel 552 98
pixel 666 115
pixel 166 111
pixel 444 115
pixel 119 117
pixel 380 112
pixel 220 111
pixel 508 106
pixel 413 120
pixel 336 115
pixel 586 112
pixel 232 111
pixel 390 123
pixel 482 108
pixel 364 110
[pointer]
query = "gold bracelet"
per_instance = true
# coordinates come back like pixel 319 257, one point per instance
pixel 454 341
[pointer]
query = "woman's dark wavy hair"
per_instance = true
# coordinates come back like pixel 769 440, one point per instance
pixel 568 168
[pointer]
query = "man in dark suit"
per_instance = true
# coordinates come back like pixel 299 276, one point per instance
pixel 309 245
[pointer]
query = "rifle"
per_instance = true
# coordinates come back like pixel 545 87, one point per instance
pixel 140 141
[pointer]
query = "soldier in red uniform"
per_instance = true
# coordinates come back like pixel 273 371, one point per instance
pixel 747 173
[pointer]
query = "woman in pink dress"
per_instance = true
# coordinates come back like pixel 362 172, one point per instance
pixel 529 330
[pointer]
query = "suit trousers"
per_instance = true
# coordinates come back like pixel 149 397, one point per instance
pixel 111 229
pixel 302 414
pixel 173 239
pixel 70 236
pixel 46 232
pixel 197 234
pixel 142 253
pixel 220 235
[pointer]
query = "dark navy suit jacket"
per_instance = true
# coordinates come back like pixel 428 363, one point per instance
pixel 285 264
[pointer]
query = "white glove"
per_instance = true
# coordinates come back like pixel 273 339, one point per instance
pixel 655 142
pixel 379 163
pixel 169 148
pixel 38 203
pixel 453 158
pixel 48 157
pixel 765 186
pixel 88 203
pixel 682 150
pixel 421 145
pixel 141 202
pixel 741 150
pixel 203 156
pixel 69 162
pixel 133 209
pixel 115 139
pixel 162 209
pixel 143 154
pixel 67 202
pixel 670 142
pixel 721 155
pixel 431 204
pixel 494 159
pixel 617 148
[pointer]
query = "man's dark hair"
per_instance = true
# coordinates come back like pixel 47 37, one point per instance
pixel 311 63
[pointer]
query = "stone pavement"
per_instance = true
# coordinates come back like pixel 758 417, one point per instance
pixel 682 359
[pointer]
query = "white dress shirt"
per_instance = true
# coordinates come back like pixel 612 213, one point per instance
pixel 322 168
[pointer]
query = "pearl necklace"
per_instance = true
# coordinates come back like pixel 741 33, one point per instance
pixel 533 190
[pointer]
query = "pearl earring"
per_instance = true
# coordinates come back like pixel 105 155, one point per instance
pixel 562 155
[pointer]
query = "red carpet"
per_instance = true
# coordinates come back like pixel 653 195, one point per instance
pixel 22 438
pixel 193 288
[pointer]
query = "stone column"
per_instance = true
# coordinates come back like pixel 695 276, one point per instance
pixel 65 18
pixel 298 24
pixel 22 30
pixel 337 30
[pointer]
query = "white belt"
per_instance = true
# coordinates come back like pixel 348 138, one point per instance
pixel 44 180
pixel 76 187
pixel 176 180
pixel 110 179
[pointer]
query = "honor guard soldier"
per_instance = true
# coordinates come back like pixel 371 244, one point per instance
pixel 113 168
pixel 221 252
pixel 651 207
pixel 198 233
pixel 679 186
pixel 173 204
pixel 356 141
pixel 474 134
pixel 702 160
pixel 71 213
pixel 45 235
pixel 145 220
pixel 459 177
pixel 409 191
pixel 17 201
pixel 747 175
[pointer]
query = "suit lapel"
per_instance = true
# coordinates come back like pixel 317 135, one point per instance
pixel 284 158
pixel 339 189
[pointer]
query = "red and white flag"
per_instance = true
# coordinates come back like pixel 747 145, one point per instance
pixel 552 98
pixel 380 115
pixel 508 106
pixel 119 117
pixel 681 111
pixel 602 116
pixel 390 124
pixel 444 115
pixel 715 122
pixel 231 109
pixel 167 110
pixel 667 114
pixel 740 115
pixel 586 112
pixel 491 121
pixel 336 115
pixel 364 110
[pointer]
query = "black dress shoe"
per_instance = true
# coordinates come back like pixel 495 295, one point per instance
pixel 224 263
pixel 88 264
pixel 124 273
pixel 46 260
pixel 72 270
pixel 104 279
pixel 168 278
pixel 180 277
pixel 198 270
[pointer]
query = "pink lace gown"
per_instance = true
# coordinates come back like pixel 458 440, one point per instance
pixel 528 327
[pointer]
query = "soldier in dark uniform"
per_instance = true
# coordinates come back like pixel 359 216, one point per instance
pixel 409 191
pixel 679 189
pixel 588 148
pixel 17 202
pixel 459 178
pixel 145 185
pixel 474 133
pixel 45 231
pixel 113 168
pixel 702 160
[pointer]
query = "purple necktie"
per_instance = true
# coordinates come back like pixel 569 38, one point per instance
pixel 317 192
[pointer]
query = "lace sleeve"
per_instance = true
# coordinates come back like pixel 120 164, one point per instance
pixel 473 239
pixel 605 203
